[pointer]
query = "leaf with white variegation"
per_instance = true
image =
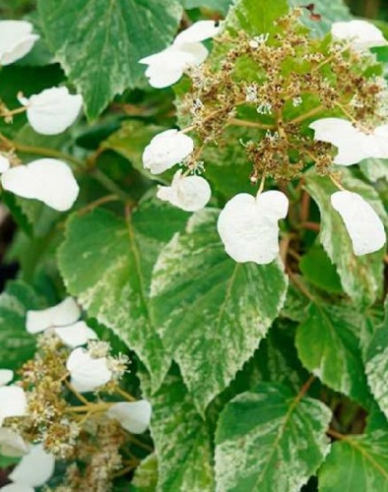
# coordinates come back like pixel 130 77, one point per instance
pixel 16 345
pixel 270 439
pixel 328 346
pixel 376 359
pixel 100 43
pixel 361 276
pixel 181 437
pixel 212 312
pixel 146 475
pixel 357 464
pixel 106 262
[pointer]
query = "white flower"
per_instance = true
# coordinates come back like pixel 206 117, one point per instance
pixel 6 376
pixel 34 469
pixel 66 312
pixel 4 164
pixel 49 180
pixel 75 335
pixel 16 40
pixel 13 402
pixel 167 149
pixel 17 487
pixel 11 443
pixel 360 33
pixel 87 374
pixel 248 226
pixel 135 416
pixel 353 144
pixel 52 111
pixel 190 193
pixel 167 67
pixel 364 226
pixel 199 31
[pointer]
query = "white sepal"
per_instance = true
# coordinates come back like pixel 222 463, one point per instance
pixel 189 193
pixel 35 468
pixel 167 149
pixel 17 487
pixel 248 226
pixel 6 376
pixel 49 180
pixel 87 374
pixel 364 226
pixel 76 335
pixel 11 443
pixel 4 164
pixel 13 402
pixel 199 31
pixel 16 40
pixel 53 110
pixel 135 416
pixel 361 34
pixel 65 313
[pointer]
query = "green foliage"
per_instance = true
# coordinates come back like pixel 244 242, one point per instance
pixel 288 431
pixel 99 44
pixel 197 320
pixel 260 377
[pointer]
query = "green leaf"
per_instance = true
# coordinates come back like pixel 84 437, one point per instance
pixel 357 463
pixel 256 16
pixel 100 43
pixel 269 440
pixel 335 10
pixel 328 346
pixel 107 262
pixel 376 359
pixel 146 475
pixel 361 276
pixel 182 441
pixel 319 271
pixel 16 345
pixel 212 312
pixel 375 169
pixel 218 5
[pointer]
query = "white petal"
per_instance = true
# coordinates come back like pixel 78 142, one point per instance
pixel 351 142
pixel 87 374
pixel 11 443
pixel 13 402
pixel 16 40
pixel 167 67
pixel 167 149
pixel 133 416
pixel 17 487
pixel 360 33
pixel 6 376
pixel 53 110
pixel 376 144
pixel 49 180
pixel 76 334
pixel 35 468
pixel 190 193
pixel 65 313
pixel 248 226
pixel 364 226
pixel 199 31
pixel 4 164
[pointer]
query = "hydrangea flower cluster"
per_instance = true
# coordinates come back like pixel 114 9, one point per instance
pixel 56 410
pixel 352 104
pixel 50 112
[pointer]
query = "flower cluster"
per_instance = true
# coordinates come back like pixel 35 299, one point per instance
pixel 50 112
pixel 56 410
pixel 351 101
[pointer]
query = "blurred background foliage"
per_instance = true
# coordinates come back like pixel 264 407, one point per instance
pixel 374 9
